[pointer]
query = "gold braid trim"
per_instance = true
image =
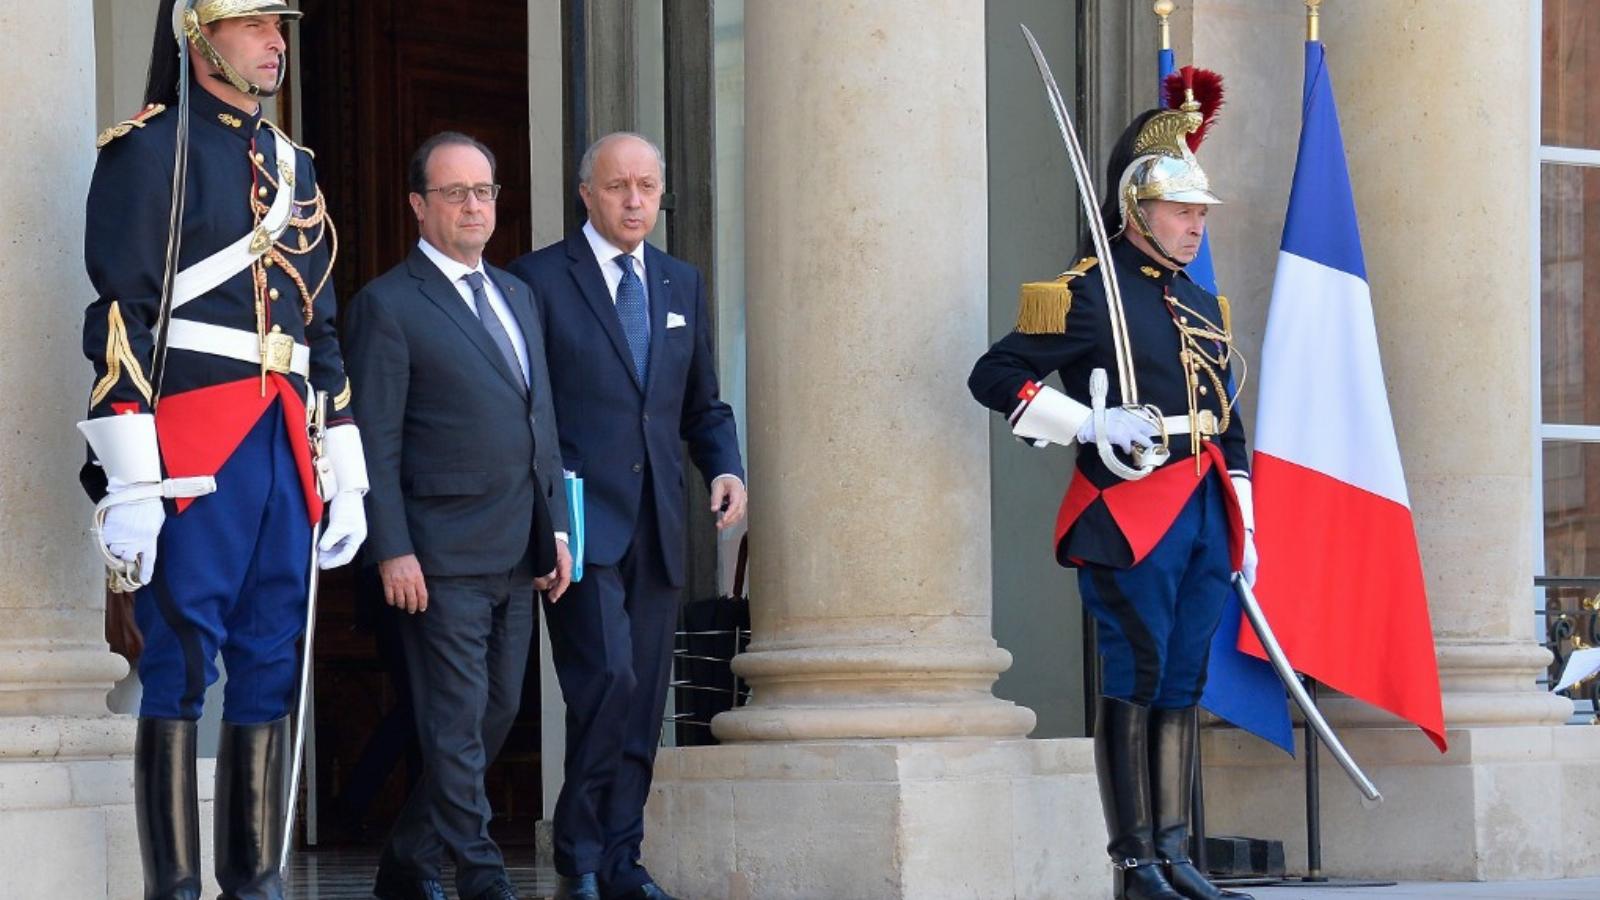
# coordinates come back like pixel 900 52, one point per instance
pixel 1198 361
pixel 119 353
pixel 343 400
pixel 281 251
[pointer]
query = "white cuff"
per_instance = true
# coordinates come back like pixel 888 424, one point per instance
pixel 126 447
pixel 342 444
pixel 562 537
pixel 728 475
pixel 1051 416
pixel 1247 503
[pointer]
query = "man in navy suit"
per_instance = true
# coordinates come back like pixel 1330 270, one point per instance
pixel 628 341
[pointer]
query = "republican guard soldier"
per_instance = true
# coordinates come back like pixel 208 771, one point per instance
pixel 214 350
pixel 1155 544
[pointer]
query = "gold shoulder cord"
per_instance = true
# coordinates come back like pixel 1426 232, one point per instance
pixel 1043 305
pixel 281 252
pixel 1195 333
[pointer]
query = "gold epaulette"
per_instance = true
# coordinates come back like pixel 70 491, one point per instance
pixel 1044 304
pixel 127 125
pixel 1227 314
pixel 285 135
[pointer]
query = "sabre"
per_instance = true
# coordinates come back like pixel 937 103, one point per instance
pixel 1286 674
pixel 180 176
pixel 1146 459
pixel 318 429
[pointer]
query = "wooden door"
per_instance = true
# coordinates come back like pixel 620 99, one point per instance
pixel 378 78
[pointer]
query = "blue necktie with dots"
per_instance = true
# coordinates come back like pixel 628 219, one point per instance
pixel 635 317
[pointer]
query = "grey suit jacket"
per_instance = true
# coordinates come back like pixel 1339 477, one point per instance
pixel 465 467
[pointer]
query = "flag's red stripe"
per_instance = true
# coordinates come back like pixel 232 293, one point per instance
pixel 1341 583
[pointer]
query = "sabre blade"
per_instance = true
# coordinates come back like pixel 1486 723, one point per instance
pixel 1291 681
pixel 1084 176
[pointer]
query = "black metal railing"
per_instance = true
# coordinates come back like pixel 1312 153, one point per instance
pixel 1569 620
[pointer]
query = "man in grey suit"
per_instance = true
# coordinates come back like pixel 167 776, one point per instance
pixel 467 509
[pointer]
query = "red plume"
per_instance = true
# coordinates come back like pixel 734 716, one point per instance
pixel 1207 87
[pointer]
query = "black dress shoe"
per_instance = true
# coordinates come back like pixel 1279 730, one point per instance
pixel 393 887
pixel 583 887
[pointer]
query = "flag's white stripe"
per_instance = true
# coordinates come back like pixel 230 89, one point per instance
pixel 1323 404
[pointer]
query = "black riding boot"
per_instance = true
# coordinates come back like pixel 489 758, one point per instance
pixel 1122 758
pixel 167 803
pixel 252 765
pixel 1173 733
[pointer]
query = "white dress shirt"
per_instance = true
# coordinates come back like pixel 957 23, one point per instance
pixel 606 253
pixel 456 273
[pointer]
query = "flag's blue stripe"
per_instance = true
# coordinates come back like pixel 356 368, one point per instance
pixel 1242 689
pixel 1321 224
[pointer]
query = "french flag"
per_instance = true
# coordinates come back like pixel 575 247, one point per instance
pixel 1340 577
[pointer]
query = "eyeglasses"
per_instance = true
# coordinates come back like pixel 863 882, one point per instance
pixel 457 193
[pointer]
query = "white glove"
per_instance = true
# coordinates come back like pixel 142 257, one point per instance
pixel 1248 570
pixel 346 529
pixel 131 530
pixel 1245 492
pixel 126 448
pixel 347 518
pixel 1123 428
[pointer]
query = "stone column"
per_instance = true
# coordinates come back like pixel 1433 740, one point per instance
pixel 867 240
pixel 1439 126
pixel 65 781
pixel 867 234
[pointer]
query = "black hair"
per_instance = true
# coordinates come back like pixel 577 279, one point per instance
pixel 161 84
pixel 417 172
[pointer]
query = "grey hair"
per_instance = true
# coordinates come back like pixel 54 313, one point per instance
pixel 586 165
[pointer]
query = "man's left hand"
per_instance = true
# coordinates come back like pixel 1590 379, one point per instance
pixel 346 529
pixel 728 490
pixel 556 583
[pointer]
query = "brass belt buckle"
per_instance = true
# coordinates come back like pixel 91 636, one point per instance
pixel 1206 423
pixel 277 352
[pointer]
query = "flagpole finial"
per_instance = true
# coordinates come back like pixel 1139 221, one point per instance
pixel 1163 9
pixel 1313 20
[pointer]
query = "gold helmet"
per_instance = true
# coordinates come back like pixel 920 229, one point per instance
pixel 1163 165
pixel 193 15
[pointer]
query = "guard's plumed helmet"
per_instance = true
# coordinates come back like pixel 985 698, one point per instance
pixel 188 18
pixel 1154 158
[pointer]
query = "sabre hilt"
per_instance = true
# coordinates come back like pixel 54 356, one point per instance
pixel 1145 459
pixel 317 431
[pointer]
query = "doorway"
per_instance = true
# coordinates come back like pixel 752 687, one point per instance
pixel 377 77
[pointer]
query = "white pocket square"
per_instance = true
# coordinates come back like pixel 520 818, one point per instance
pixel 675 320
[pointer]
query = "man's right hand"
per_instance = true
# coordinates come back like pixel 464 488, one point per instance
pixel 1124 428
pixel 131 531
pixel 403 584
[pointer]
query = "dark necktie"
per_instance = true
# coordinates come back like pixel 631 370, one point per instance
pixel 635 317
pixel 491 324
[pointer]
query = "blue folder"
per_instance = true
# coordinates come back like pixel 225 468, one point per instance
pixel 575 519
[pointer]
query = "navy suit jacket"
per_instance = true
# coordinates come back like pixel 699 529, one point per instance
pixel 464 467
pixel 613 428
